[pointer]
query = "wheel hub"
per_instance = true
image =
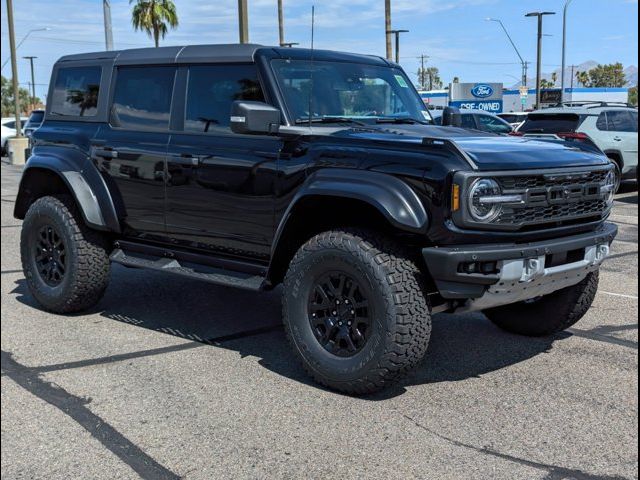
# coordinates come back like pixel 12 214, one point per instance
pixel 50 256
pixel 339 314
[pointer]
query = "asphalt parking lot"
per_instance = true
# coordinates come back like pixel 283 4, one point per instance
pixel 171 378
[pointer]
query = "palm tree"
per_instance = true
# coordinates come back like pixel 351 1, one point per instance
pixel 154 17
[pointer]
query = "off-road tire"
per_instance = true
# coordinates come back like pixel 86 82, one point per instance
pixel 401 319
pixel 551 314
pixel 87 259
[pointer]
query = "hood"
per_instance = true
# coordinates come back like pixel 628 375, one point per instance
pixel 486 150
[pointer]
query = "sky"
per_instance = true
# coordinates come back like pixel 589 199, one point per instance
pixel 452 33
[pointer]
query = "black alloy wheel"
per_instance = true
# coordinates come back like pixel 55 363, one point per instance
pixel 339 314
pixel 50 256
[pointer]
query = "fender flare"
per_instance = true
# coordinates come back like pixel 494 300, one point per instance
pixel 84 182
pixel 392 197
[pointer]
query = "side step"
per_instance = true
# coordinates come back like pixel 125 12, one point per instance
pixel 206 273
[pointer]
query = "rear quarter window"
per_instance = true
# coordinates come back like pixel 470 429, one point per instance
pixel 551 123
pixel 76 92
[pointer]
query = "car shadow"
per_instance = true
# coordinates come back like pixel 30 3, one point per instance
pixel 628 187
pixel 461 347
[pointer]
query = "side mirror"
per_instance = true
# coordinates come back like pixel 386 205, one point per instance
pixel 451 117
pixel 254 118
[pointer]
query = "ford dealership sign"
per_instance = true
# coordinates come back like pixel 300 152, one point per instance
pixel 477 96
pixel 482 90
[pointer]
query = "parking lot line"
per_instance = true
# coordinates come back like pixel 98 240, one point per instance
pixel 634 297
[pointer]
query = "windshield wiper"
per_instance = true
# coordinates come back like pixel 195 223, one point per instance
pixel 401 120
pixel 301 121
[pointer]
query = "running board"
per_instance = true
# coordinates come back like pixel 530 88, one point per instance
pixel 205 273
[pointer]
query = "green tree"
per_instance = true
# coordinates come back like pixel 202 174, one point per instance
pixel 8 109
pixel 154 17
pixel 430 78
pixel 610 75
pixel 544 83
pixel 633 95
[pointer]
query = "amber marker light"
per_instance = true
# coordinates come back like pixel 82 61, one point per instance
pixel 455 198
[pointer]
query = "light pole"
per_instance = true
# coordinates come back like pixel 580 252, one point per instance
pixel 243 20
pixel 33 82
pixel 539 15
pixel 397 34
pixel 564 46
pixel 23 39
pixel 280 23
pixel 524 64
pixel 108 32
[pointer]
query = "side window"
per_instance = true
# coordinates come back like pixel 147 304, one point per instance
pixel 10 124
pixel 142 98
pixel 621 121
pixel 601 123
pixel 492 124
pixel 634 119
pixel 76 92
pixel 211 90
pixel 468 121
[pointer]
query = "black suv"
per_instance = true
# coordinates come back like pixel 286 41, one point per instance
pixel 255 166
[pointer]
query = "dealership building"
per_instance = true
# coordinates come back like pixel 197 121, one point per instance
pixel 493 97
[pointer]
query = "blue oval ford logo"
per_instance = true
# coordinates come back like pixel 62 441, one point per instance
pixel 482 91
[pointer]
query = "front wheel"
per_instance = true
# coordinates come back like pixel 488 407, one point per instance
pixel 66 264
pixel 355 311
pixel 550 314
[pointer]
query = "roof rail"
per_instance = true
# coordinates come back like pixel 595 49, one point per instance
pixel 592 104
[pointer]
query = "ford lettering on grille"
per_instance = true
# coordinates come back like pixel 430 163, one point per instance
pixel 562 195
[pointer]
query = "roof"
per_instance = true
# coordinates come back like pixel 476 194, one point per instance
pixel 224 53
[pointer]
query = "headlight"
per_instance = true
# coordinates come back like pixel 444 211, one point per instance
pixel 609 186
pixel 484 200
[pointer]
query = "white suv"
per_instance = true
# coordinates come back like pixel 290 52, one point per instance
pixel 613 128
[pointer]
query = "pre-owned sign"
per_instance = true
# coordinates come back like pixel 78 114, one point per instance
pixel 479 96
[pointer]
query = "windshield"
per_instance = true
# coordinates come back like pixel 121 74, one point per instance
pixel 550 123
pixel 345 92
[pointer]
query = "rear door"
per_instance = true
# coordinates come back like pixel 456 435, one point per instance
pixel 132 148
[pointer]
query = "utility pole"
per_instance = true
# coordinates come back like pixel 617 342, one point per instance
pixel 564 46
pixel 243 20
pixel 33 82
pixel 422 72
pixel 539 15
pixel 108 32
pixel 14 67
pixel 281 23
pixel 387 27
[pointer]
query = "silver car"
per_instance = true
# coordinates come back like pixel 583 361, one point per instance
pixel 613 128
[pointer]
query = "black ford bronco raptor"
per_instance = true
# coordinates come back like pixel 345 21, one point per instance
pixel 255 166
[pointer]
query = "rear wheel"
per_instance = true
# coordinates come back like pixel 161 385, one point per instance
pixel 549 314
pixel 354 310
pixel 66 264
pixel 618 172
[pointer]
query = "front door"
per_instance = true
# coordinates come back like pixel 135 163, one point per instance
pixel 221 185
pixel 132 149
pixel 618 131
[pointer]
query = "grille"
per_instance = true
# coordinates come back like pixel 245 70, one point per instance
pixel 539 181
pixel 541 209
pixel 552 213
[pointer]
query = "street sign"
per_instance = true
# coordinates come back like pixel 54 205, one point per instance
pixel 524 92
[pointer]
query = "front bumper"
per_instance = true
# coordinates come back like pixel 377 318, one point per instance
pixel 517 271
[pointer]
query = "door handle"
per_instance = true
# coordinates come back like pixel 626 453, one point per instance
pixel 617 139
pixel 187 158
pixel 106 153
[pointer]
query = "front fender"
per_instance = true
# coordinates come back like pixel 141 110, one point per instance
pixel 82 179
pixel 392 197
